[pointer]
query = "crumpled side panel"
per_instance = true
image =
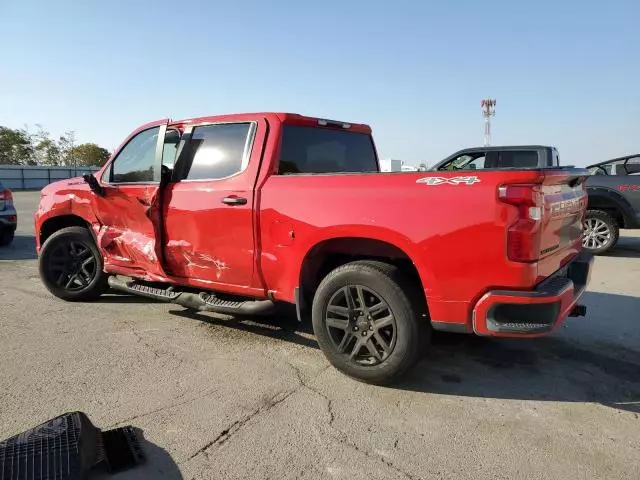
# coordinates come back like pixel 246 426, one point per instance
pixel 127 231
pixel 186 262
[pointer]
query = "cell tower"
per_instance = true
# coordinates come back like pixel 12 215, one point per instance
pixel 488 111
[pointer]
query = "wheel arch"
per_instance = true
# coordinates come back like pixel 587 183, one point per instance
pixel 331 253
pixel 612 202
pixel 53 224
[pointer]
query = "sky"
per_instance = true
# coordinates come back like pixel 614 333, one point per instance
pixel 564 73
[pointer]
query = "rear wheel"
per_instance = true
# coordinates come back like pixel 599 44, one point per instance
pixel 71 265
pixel 601 232
pixel 367 322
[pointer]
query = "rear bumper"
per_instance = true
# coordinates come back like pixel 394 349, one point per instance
pixel 506 313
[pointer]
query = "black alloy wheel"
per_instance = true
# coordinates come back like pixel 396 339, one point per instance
pixel 361 325
pixel 71 265
pixel 371 321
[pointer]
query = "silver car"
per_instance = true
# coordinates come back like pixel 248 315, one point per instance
pixel 8 216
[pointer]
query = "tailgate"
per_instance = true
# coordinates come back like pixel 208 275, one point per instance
pixel 565 201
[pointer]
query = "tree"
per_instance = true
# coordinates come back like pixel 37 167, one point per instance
pixel 46 151
pixel 19 147
pixel 66 144
pixel 15 147
pixel 89 155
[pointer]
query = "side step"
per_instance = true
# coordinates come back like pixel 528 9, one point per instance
pixel 202 302
pixel 143 290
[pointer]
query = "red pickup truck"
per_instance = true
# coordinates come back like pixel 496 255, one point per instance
pixel 235 213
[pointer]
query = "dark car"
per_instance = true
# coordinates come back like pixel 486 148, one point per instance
pixel 498 158
pixel 8 216
pixel 614 202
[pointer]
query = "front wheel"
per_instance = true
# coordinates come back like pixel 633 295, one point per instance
pixel 601 232
pixel 367 323
pixel 71 265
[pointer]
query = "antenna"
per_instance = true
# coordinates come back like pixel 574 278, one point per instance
pixel 488 110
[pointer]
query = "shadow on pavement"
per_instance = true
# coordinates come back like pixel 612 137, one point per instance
pixel 159 464
pixel 23 247
pixel 548 369
pixel 582 364
pixel 595 359
pixel 284 326
pixel 627 247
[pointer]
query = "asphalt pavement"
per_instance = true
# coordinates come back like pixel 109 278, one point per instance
pixel 221 398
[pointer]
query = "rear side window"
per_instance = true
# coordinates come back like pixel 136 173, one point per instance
pixel 218 151
pixel 324 150
pixel 517 159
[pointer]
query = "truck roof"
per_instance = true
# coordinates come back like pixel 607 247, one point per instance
pixel 504 147
pixel 284 117
pixel 618 159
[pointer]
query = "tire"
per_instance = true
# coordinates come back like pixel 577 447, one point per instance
pixel 601 232
pixel 6 238
pixel 58 268
pixel 401 303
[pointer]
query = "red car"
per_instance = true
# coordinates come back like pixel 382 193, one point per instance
pixel 235 213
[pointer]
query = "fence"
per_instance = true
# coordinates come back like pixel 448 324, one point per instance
pixel 22 177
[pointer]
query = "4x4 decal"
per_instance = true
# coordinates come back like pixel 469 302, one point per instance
pixel 448 181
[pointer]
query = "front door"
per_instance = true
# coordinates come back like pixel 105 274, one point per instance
pixel 209 230
pixel 129 212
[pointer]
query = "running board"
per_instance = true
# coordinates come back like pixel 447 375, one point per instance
pixel 202 301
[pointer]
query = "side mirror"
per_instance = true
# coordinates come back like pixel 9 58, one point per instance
pixel 94 185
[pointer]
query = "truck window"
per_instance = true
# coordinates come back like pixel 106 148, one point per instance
pixel 632 167
pixel 135 161
pixel 467 161
pixel 218 151
pixel 517 159
pixel 324 150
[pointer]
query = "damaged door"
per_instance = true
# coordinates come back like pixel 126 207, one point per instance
pixel 209 231
pixel 130 210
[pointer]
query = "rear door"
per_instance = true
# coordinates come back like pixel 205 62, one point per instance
pixel 630 187
pixel 208 206
pixel 129 210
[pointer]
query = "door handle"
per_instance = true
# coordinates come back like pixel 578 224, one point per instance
pixel 233 200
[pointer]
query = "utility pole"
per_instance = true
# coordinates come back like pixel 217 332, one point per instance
pixel 488 110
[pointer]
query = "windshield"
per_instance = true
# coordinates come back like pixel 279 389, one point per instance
pixel 325 150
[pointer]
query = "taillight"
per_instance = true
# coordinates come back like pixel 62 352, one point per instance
pixel 523 237
pixel 6 194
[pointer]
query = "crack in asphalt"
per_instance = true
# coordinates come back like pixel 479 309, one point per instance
pixel 275 400
pixel 165 407
pixel 227 433
pixel 341 436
